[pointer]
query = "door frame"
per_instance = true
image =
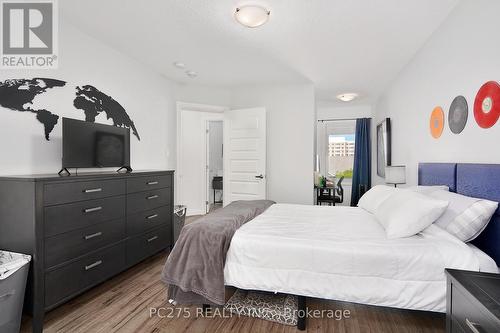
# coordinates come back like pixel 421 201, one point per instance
pixel 207 158
pixel 213 113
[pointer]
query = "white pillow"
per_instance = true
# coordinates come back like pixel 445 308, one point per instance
pixel 372 199
pixel 427 189
pixel 405 213
pixel 465 217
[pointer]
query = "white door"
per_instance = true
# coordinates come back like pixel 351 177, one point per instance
pixel 244 154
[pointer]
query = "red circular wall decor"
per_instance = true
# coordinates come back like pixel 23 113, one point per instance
pixel 487 104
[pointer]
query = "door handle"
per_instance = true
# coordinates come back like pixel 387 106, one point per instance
pixel 152 197
pixel 151 216
pixel 92 190
pixel 97 234
pixel 261 176
pixel 152 183
pixel 97 263
pixel 90 210
pixel 152 239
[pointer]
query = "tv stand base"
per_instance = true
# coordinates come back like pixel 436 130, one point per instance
pixel 64 170
pixel 127 168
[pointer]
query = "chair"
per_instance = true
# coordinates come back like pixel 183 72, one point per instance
pixel 325 195
pixel 340 191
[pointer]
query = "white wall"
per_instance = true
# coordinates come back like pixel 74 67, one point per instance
pixel 290 137
pixel 200 94
pixel 462 54
pixel 337 111
pixel 147 97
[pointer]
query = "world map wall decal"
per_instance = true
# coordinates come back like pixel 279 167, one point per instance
pixel 18 95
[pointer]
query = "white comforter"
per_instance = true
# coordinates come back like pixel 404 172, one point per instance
pixel 342 253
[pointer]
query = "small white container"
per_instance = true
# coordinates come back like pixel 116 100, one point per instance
pixel 14 268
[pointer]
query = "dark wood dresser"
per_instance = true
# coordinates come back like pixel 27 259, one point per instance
pixel 83 229
pixel 473 302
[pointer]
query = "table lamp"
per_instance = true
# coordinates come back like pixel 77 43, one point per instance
pixel 395 174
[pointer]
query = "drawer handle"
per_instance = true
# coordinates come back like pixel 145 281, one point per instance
pixel 93 209
pixel 152 183
pixel 152 197
pixel 152 239
pixel 9 294
pixel 97 234
pixel 473 326
pixel 97 263
pixel 92 190
pixel 151 216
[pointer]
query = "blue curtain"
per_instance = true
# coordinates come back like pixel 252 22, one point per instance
pixel 362 172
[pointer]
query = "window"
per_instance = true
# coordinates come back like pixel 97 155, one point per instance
pixel 336 144
pixel 335 152
pixel 341 155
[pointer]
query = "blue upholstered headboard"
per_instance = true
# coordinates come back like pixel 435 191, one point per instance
pixel 473 180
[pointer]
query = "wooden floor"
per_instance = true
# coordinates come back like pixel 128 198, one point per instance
pixel 123 304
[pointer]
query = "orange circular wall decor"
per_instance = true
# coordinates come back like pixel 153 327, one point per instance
pixel 436 122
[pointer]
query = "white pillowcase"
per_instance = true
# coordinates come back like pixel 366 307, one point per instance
pixel 372 199
pixel 405 213
pixel 427 189
pixel 465 217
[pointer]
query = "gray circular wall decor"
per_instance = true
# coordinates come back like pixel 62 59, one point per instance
pixel 458 114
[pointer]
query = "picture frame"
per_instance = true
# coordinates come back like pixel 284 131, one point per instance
pixel 383 146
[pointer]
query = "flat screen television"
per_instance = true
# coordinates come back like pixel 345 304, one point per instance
pixel 91 145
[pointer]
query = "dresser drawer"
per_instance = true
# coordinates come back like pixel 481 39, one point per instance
pixel 67 281
pixel 64 247
pixel 143 246
pixel 64 218
pixel 76 191
pixel 466 312
pixel 148 183
pixel 141 201
pixel 138 223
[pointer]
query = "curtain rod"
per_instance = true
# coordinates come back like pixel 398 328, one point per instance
pixel 342 119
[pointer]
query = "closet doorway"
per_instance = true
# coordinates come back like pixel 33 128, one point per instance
pixel 221 156
pixel 196 148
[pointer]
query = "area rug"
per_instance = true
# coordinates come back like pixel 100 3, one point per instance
pixel 279 308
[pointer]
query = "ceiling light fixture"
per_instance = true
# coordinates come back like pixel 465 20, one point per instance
pixel 252 16
pixel 179 65
pixel 347 97
pixel 191 74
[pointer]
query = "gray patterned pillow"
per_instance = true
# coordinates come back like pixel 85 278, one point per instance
pixel 465 217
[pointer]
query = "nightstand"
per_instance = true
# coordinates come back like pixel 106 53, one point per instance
pixel 472 302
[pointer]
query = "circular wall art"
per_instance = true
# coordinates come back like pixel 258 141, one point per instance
pixel 457 116
pixel 487 104
pixel 437 122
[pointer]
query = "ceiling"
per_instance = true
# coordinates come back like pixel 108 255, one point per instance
pixel 338 45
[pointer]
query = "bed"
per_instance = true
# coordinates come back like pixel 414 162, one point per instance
pixel 341 253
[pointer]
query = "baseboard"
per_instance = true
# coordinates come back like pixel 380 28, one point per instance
pixel 195 212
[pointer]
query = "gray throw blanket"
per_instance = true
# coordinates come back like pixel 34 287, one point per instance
pixel 194 269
